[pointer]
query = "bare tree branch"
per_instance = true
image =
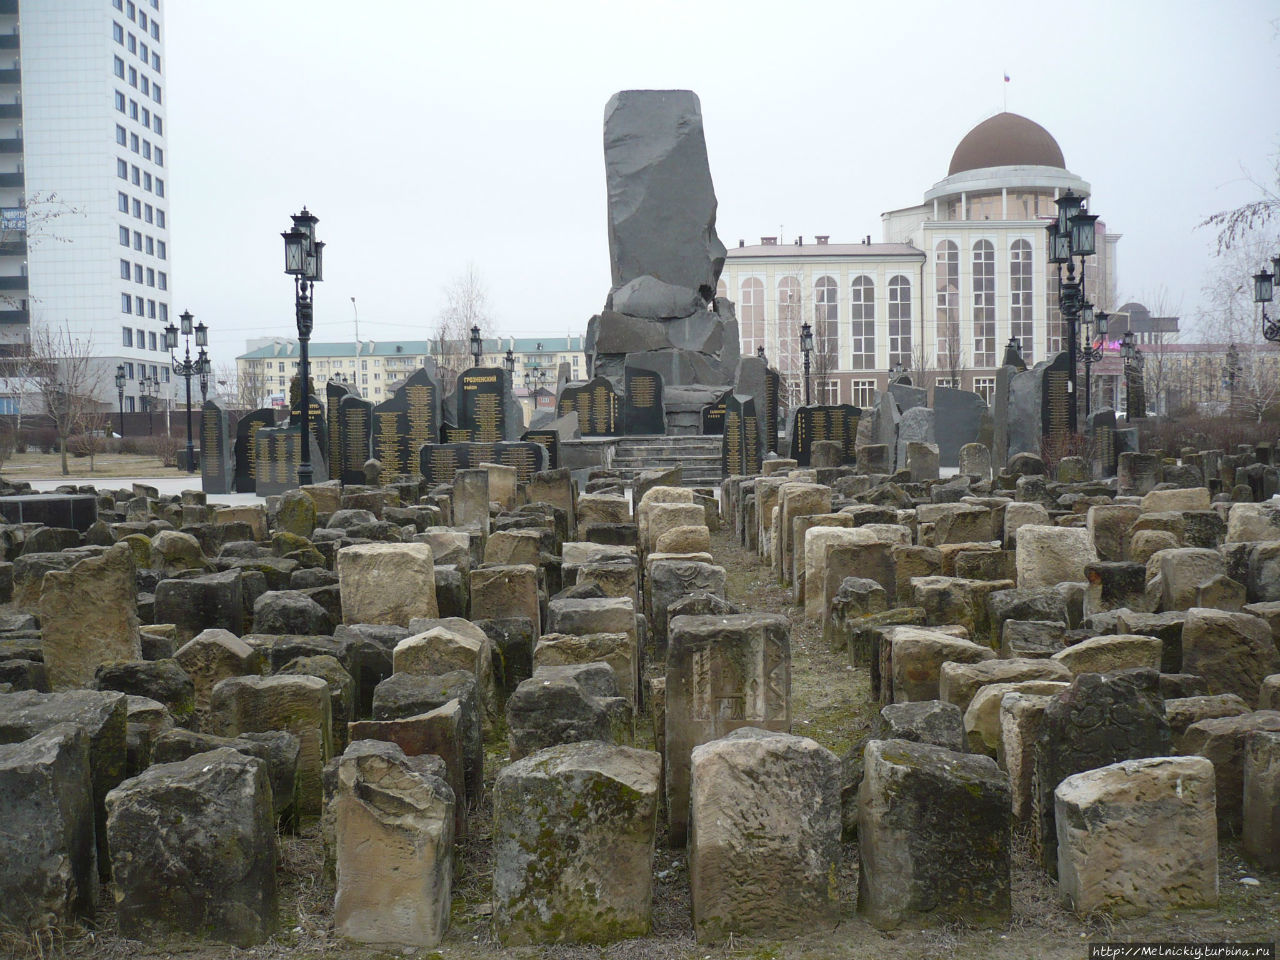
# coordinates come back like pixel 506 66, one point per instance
pixel 1238 225
pixel 67 374
pixel 466 306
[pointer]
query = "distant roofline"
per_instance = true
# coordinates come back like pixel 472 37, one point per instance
pixel 287 347
pixel 784 251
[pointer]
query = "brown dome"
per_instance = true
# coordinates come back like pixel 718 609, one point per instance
pixel 1006 140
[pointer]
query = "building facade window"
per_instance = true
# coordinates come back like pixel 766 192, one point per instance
pixel 127 337
pixel 947 301
pixel 984 304
pixel 862 313
pixel 863 393
pixel 900 321
pixel 789 319
pixel 985 387
pixel 1021 302
pixel 752 323
pixel 826 331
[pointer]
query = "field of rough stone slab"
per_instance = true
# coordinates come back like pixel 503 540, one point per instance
pixel 831 704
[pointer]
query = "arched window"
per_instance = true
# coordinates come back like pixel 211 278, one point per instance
pixel 984 304
pixel 751 320
pixel 826 333
pixel 862 312
pixel 947 297
pixel 1020 298
pixel 721 289
pixel 900 321
pixel 789 319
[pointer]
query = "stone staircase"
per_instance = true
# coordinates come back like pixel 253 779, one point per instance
pixel 698 456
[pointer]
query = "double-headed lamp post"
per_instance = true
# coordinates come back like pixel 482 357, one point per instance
pixel 148 388
pixel 806 346
pixel 1263 293
pixel 304 261
pixel 1091 352
pixel 120 394
pixel 1072 235
pixel 188 367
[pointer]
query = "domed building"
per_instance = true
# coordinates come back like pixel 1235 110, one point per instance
pixel 953 278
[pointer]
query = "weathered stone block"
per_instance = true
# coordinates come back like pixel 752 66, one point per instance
pixel 387 582
pixel 47 845
pixel 933 837
pixel 764 839
pixel 394 838
pixel 573 829
pixel 194 849
pixel 1138 836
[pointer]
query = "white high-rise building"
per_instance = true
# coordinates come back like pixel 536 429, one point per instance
pixel 84 193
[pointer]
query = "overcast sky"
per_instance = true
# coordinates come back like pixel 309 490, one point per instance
pixel 428 135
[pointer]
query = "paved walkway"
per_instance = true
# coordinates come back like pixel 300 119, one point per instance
pixel 166 485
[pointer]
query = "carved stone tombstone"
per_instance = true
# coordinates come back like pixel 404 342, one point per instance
pixel 315 414
pixel 838 422
pixel 355 432
pixel 722 673
pixel 642 410
pixel 277 454
pixel 1055 399
pixel 741 447
pixel 333 394
pixel 246 448
pixel 405 421
pixel 1106 454
pixel 597 407
pixel 482 404
pixel 549 439
pixel 713 415
pixel 216 474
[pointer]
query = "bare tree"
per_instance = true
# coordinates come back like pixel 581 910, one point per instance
pixel 1241 224
pixel 67 375
pixel 1161 365
pixel 244 388
pixel 466 306
pixel 1233 317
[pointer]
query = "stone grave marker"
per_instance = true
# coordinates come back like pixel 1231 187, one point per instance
pixel 216 474
pixel 642 411
pixel 355 432
pixel 439 462
pixel 246 456
pixel 549 439
pixel 1055 399
pixel 722 673
pixel 713 415
pixel 277 453
pixel 741 449
pixel 597 407
pixel 959 418
pixel 333 394
pixel 482 412
pixel 405 421
pixel 316 422
pixel 837 422
pixel 1102 428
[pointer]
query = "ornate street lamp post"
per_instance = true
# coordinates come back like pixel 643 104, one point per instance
pixel 806 345
pixel 120 394
pixel 188 367
pixel 1263 291
pixel 149 387
pixel 1072 235
pixel 1091 351
pixel 304 261
pixel 477 346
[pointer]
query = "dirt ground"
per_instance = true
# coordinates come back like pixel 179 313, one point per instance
pixel 831 704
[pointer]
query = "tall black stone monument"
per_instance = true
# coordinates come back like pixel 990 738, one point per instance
pixel 216 473
pixel 246 449
pixel 597 407
pixel 355 433
pixel 405 421
pixel 642 410
pixel 482 404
